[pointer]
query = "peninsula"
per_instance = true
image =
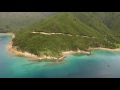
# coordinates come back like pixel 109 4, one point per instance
pixel 14 51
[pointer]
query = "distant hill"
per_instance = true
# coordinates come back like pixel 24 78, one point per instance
pixel 111 19
pixel 10 21
pixel 87 29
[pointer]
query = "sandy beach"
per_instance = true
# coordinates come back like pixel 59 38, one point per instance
pixel 100 48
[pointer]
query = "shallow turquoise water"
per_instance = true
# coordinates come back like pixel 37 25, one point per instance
pixel 100 64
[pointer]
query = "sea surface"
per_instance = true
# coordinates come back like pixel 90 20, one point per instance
pixel 102 64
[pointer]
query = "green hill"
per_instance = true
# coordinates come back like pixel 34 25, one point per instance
pixel 65 23
pixel 91 28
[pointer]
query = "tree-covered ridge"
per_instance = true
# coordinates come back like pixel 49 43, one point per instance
pixel 103 21
pixel 66 23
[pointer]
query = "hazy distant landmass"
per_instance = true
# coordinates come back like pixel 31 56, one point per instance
pixel 65 31
pixel 10 21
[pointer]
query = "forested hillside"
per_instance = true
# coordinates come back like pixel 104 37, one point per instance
pixel 87 29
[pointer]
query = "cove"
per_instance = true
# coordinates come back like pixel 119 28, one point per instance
pixel 102 64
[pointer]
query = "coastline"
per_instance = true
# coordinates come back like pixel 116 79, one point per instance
pixel 14 51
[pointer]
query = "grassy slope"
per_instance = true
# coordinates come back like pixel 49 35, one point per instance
pixel 112 21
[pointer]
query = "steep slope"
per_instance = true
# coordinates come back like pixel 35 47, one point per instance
pixel 112 21
pixel 102 22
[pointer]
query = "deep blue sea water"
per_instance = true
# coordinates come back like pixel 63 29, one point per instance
pixel 102 64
